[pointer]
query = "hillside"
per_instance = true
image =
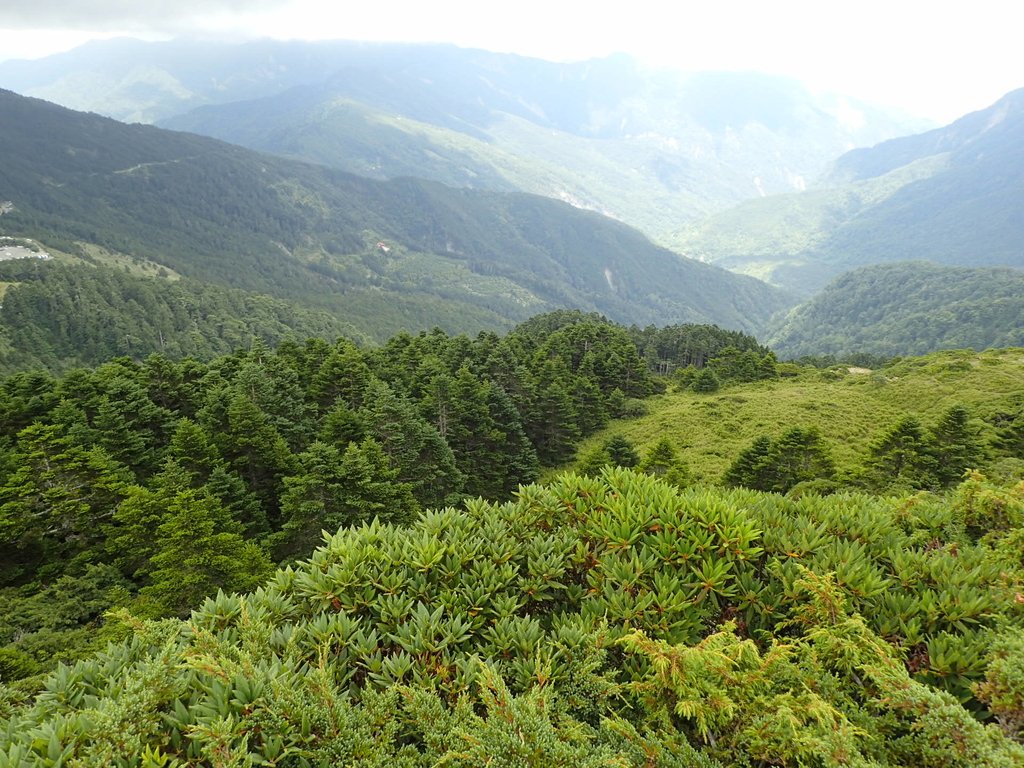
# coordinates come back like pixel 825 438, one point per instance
pixel 650 148
pixel 381 256
pixel 851 407
pixel 56 316
pixel 908 308
pixel 949 196
pixel 429 604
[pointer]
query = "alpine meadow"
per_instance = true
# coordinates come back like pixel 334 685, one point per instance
pixel 416 405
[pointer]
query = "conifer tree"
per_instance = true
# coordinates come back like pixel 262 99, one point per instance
pixel 777 465
pixel 956 445
pixel 130 540
pixel 902 456
pixel 593 460
pixel 341 425
pixel 487 438
pixel 552 427
pixel 621 452
pixel 706 381
pixel 799 456
pixel 343 375
pixel 340 488
pixel 421 457
pixel 663 460
pixel 1010 433
pixel 193 450
pixel 255 450
pixel 751 469
pixel 199 550
pixel 273 387
pixel 132 427
pixel 59 497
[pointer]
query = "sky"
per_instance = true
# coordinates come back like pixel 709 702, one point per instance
pixel 937 59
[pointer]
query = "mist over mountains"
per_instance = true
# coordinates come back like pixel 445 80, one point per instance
pixel 951 196
pixel 651 148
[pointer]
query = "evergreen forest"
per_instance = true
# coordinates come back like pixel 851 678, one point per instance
pixel 576 543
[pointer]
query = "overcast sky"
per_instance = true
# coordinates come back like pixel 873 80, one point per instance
pixel 937 59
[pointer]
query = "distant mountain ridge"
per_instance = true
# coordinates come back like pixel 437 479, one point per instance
pixel 654 149
pixel 952 196
pixel 906 308
pixel 382 256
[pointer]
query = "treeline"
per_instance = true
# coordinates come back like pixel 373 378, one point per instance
pixel 57 317
pixel 678 346
pixel 905 456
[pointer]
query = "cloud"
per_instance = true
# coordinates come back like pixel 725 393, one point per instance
pixel 99 15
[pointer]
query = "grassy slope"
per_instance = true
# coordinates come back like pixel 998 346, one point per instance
pixel 850 409
pixel 764 237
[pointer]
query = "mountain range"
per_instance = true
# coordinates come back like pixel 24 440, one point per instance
pixel 952 196
pixel 387 187
pixel 381 255
pixel 652 148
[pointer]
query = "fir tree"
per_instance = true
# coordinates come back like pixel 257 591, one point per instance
pixel 593 460
pixel 955 444
pixel 414 448
pixel 199 551
pixel 621 452
pixel 706 381
pixel 552 427
pixel 663 460
pixel 902 456
pixel 60 497
pixel 343 375
pixel 752 468
pixel 335 489
pixel 192 449
pixel 799 456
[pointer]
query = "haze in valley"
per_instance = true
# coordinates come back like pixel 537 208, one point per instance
pixel 931 60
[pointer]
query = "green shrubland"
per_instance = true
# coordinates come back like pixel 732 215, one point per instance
pixel 601 621
pixel 329 554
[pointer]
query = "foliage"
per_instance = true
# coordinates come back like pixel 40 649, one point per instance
pixel 179 476
pixel 902 456
pixel 798 456
pixel 691 345
pixel 512 631
pixel 1003 688
pixel 58 317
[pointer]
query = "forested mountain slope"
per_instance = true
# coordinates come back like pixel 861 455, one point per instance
pixel 950 196
pixel 57 316
pixel 908 308
pixel 380 255
pixel 650 148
